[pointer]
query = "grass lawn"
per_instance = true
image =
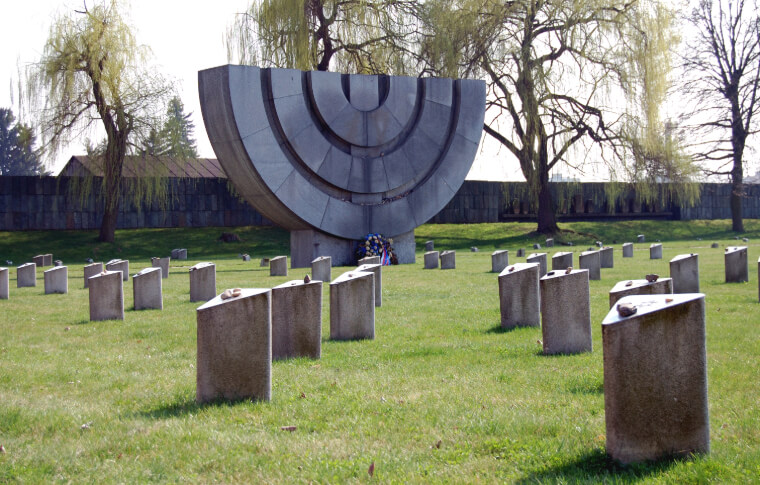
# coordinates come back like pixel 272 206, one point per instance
pixel 442 394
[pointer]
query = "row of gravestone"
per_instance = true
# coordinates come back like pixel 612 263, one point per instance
pixel 655 366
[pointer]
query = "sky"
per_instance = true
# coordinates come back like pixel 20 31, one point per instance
pixel 185 37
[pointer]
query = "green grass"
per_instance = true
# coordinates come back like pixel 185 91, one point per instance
pixel 441 395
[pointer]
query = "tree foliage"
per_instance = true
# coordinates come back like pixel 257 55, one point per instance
pixel 721 67
pixel 567 82
pixel 358 36
pixel 17 153
pixel 175 138
pixel 93 75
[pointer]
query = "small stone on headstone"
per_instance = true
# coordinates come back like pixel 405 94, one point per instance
pixel 230 293
pixel 626 309
pixel 306 279
pixel 652 277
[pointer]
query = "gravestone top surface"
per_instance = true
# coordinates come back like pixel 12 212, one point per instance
pixel 646 304
pixel 733 249
pixel 586 253
pixel 683 256
pixel 559 273
pixel 535 255
pixel 244 293
pixel 202 265
pixel 105 273
pixel 293 283
pixel 368 267
pixel 352 275
pixel 347 155
pixel 54 269
pixel 151 269
pixel 26 265
pixel 320 258
pixel 499 251
pixel 628 284
pixel 561 253
pixel 517 267
pixel 114 261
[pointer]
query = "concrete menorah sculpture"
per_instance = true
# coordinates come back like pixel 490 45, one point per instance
pixel 332 157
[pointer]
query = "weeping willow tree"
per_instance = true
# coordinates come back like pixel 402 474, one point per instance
pixel 358 36
pixel 569 84
pixel 92 77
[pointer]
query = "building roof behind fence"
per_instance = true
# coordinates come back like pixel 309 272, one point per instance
pixel 147 166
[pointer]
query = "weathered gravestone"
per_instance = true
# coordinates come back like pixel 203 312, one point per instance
pixel 448 260
pixel 91 270
pixel 661 286
pixel 431 259
pixel 590 260
pixel 429 245
pixel 106 296
pixel 119 265
pixel 539 258
pixel 565 312
pixel 234 346
pixel 684 270
pixel 47 260
pixel 655 251
pixel 179 254
pixel 607 257
pixel 321 269
pixel 737 265
pixel 550 243
pixel 278 266
pixel 333 157
pixel 202 282
pixel 519 296
pixel 26 275
pixel 521 253
pixel 628 250
pixel 377 270
pixel 263 263
pixel 640 238
pixel 4 284
pixel 562 260
pixel 56 280
pixel 147 289
pixel 370 260
pixel 39 260
pixel 499 260
pixel 162 263
pixel 352 306
pixel 57 262
pixel 655 378
pixel 297 320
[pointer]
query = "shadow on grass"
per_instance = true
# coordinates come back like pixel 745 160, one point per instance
pixel 597 467
pixel 498 329
pixel 186 406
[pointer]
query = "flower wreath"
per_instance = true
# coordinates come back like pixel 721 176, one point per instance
pixel 377 245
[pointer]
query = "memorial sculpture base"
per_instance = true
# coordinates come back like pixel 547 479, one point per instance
pixel 305 246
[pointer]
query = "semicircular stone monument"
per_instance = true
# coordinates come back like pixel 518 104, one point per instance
pixel 333 157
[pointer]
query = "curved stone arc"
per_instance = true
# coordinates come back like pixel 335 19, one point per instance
pixel 260 152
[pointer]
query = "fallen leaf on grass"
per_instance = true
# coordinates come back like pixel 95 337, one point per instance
pixel 2 449
pixel 437 445
pixel 303 395
pixel 371 469
pixel 288 428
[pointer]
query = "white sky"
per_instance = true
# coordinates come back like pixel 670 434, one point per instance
pixel 185 37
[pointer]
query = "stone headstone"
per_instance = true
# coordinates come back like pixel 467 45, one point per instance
pixel 370 260
pixel 4 283
pixel 429 246
pixel 26 275
pixel 591 261
pixel 519 295
pixel 162 263
pixel 246 257
pixel 431 260
pixel 655 251
pixel 550 242
pixel 562 260
pixel 278 266
pixel 377 270
pixel 57 262
pixel 715 245
pixel 448 260
pixel 473 249
pixel 179 254
pixel 352 306
pixel 737 265
pixel 640 238
pixel 607 257
pixel 599 244
pixel 565 312
pixel 234 356
pixel 628 250
pixel 264 263
pixel 56 280
pixel 106 296
pixel 202 282
pixel 321 269
pixel 662 286
pixel 297 320
pixel 39 260
pixel 47 260
pixel 499 260
pixel 536 246
pixel 745 239
pixel 539 258
pixel 91 270
pixel 655 379
pixel 119 265
pixel 147 289
pixel 684 270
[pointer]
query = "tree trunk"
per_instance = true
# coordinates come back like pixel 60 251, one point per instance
pixel 108 226
pixel 737 194
pixel 547 219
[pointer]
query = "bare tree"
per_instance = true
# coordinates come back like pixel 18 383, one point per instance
pixel 722 70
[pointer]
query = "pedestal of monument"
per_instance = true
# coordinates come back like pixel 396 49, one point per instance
pixel 307 245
